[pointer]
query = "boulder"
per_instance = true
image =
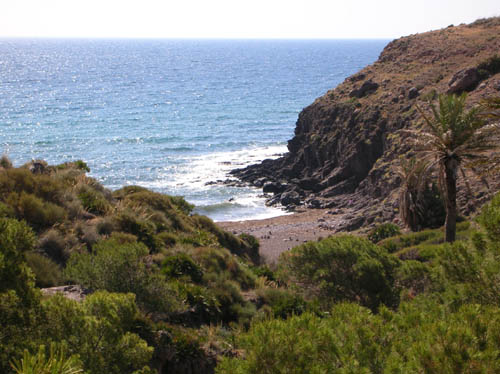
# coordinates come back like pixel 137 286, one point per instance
pixel 290 198
pixel 273 187
pixel 413 93
pixel 464 80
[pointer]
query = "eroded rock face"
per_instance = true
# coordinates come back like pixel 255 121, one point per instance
pixel 347 143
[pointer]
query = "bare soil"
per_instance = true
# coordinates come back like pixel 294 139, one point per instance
pixel 280 234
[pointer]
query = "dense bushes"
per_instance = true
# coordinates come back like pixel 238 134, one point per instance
pixel 175 292
pixel 122 267
pixel 383 231
pixel 421 337
pixel 344 268
pixel 452 326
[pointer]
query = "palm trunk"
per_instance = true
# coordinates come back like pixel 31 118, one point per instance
pixel 450 169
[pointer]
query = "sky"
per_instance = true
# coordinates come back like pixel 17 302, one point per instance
pixel 235 19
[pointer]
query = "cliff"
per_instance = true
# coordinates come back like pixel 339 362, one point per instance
pixel 348 141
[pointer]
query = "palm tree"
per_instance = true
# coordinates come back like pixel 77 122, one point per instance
pixel 454 138
pixel 420 203
pixel 411 205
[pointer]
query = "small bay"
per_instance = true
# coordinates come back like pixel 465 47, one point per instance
pixel 169 115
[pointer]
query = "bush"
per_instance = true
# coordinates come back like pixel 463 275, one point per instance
pixel 283 303
pixel 383 231
pixel 5 162
pixel 490 218
pixel 47 272
pixel 55 363
pixel 144 230
pixel 489 67
pixel 52 243
pixel 99 331
pixel 182 265
pixel 18 297
pixel 121 267
pixel 220 263
pixel 350 341
pixel 344 268
pixel 93 201
pixel 227 240
pixel 40 214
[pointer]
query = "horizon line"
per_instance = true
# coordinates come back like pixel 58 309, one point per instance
pixel 4 37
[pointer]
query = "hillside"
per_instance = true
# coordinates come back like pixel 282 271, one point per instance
pixel 348 141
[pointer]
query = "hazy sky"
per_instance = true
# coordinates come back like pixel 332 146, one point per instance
pixel 236 18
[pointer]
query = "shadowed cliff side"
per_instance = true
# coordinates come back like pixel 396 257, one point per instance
pixel 347 142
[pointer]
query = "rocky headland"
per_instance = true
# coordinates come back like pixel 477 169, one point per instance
pixel 347 143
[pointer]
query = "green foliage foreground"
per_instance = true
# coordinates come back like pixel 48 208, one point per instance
pixel 452 325
pixel 173 293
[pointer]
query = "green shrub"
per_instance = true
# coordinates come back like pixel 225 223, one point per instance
pixel 414 276
pixel 489 67
pixel 121 267
pixel 227 240
pixel 350 341
pixel 156 202
pixel 283 303
pixel 87 234
pixel 383 231
pixel 168 239
pixel 99 331
pixel 182 265
pixel 144 230
pixel 204 306
pixel 53 244
pixel 55 363
pixel 93 201
pixel 395 244
pixel 182 204
pixel 38 213
pixel 264 271
pixel 18 297
pixel 105 226
pixel 490 218
pixel 5 162
pixel 6 211
pixel 344 268
pixel 47 272
pixel 219 263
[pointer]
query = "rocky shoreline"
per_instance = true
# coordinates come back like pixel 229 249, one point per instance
pixel 349 141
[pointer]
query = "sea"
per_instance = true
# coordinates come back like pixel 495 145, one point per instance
pixel 169 115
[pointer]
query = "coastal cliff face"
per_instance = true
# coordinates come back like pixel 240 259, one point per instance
pixel 348 141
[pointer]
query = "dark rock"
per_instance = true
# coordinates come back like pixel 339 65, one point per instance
pixel 290 198
pixel 413 93
pixel 464 80
pixel 353 223
pixel 273 187
pixel 260 182
pixel 313 203
pixel 310 184
pixel 273 200
pixel 366 88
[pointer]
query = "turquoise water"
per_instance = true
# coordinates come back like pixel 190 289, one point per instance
pixel 170 115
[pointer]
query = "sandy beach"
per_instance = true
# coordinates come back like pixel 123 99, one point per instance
pixel 282 233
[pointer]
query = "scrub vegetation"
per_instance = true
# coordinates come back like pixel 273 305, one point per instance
pixel 167 291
